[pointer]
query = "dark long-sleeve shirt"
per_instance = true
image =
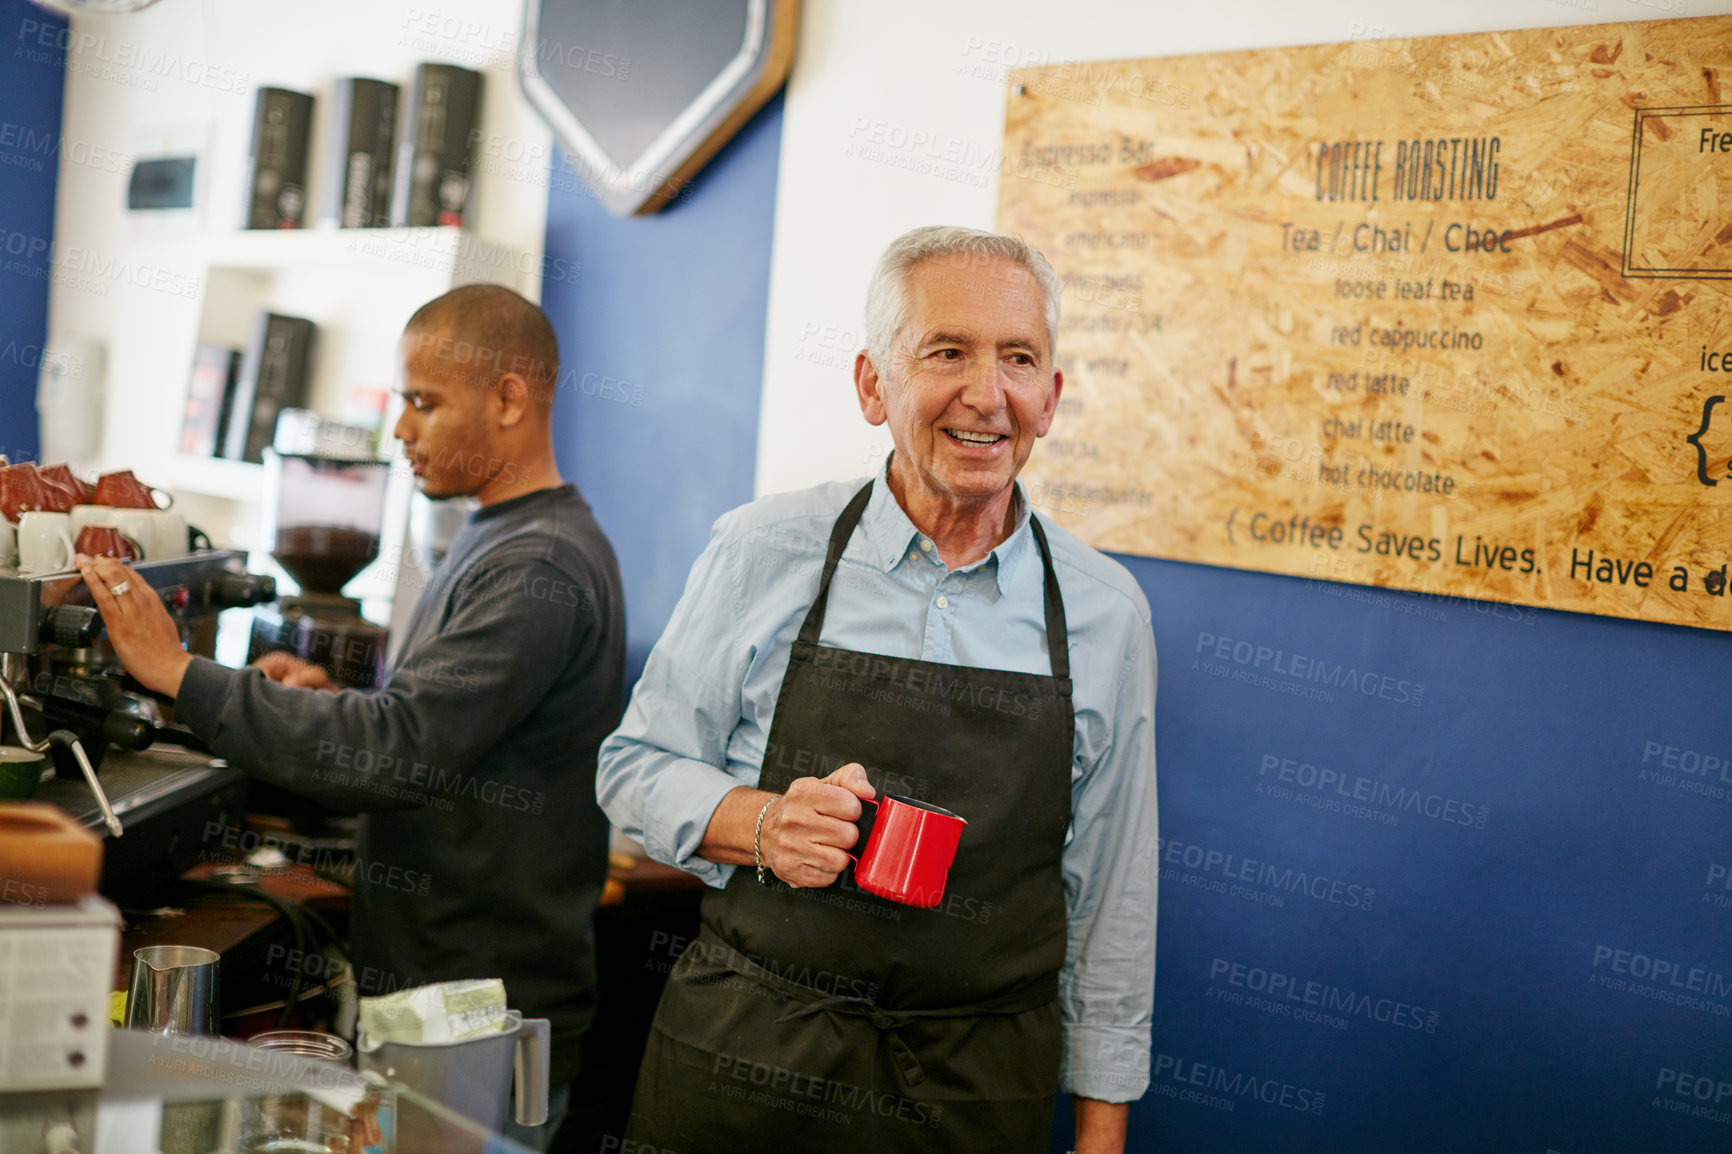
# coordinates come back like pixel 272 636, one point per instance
pixel 482 849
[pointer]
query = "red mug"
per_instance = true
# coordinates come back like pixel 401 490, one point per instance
pixel 107 541
pixel 22 491
pixel 61 477
pixel 908 853
pixel 121 490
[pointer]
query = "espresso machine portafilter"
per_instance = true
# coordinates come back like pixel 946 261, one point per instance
pixel 65 693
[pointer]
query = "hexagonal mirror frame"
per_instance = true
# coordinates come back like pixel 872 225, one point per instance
pixel 659 80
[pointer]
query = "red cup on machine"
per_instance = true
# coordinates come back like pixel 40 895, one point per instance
pixel 908 853
pixel 122 490
pixel 107 541
pixel 61 477
pixel 22 491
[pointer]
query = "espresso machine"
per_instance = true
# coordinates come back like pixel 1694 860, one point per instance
pixel 121 766
pixel 324 518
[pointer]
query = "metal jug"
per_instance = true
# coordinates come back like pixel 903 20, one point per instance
pixel 472 1077
pixel 173 990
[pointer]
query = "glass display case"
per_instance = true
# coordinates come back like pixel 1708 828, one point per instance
pixel 185 1094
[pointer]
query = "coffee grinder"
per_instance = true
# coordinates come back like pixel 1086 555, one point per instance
pixel 324 516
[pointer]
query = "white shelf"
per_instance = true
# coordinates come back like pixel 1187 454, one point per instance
pixel 450 254
pixel 359 286
pixel 216 477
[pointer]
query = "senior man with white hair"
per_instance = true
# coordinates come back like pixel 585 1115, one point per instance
pixel 923 633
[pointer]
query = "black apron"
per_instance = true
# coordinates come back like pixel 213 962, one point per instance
pixel 833 1020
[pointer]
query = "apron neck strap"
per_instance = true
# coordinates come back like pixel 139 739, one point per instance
pixel 839 534
pixel 1057 633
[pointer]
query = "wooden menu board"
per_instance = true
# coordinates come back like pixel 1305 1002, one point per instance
pixel 1449 314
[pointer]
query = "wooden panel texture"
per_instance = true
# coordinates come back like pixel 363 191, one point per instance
pixel 1449 314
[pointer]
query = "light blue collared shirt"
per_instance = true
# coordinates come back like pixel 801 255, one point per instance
pixel 700 716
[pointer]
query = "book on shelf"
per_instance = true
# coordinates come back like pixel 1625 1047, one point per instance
pixel 358 163
pixel 277 164
pixel 434 157
pixel 209 396
pixel 275 374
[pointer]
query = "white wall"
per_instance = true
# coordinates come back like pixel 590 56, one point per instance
pixel 185 71
pixel 923 84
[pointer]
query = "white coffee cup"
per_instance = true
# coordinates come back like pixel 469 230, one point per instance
pixel 159 533
pixel 169 537
pixel 140 525
pixel 44 542
pixel 83 515
pixel 8 544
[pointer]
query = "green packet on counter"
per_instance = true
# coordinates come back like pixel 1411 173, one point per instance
pixel 443 1012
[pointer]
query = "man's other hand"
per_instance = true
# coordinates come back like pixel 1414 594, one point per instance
pixel 806 833
pixel 144 636
pixel 292 671
pixel 1101 1126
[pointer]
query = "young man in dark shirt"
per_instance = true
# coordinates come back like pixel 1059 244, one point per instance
pixel 482 849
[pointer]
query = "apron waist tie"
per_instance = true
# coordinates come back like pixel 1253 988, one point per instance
pixel 886 1021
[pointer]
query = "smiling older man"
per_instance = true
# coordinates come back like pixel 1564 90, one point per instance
pixel 1011 681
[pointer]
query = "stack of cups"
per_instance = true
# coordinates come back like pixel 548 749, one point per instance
pixel 47 515
pixel 124 520
pixel 35 531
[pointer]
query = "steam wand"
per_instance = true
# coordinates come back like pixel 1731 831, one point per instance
pixel 61 737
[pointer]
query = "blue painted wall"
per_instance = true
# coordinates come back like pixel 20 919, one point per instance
pixel 1436 875
pixel 32 76
pixel 661 333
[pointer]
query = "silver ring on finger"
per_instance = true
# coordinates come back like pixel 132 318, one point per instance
pixel 120 589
